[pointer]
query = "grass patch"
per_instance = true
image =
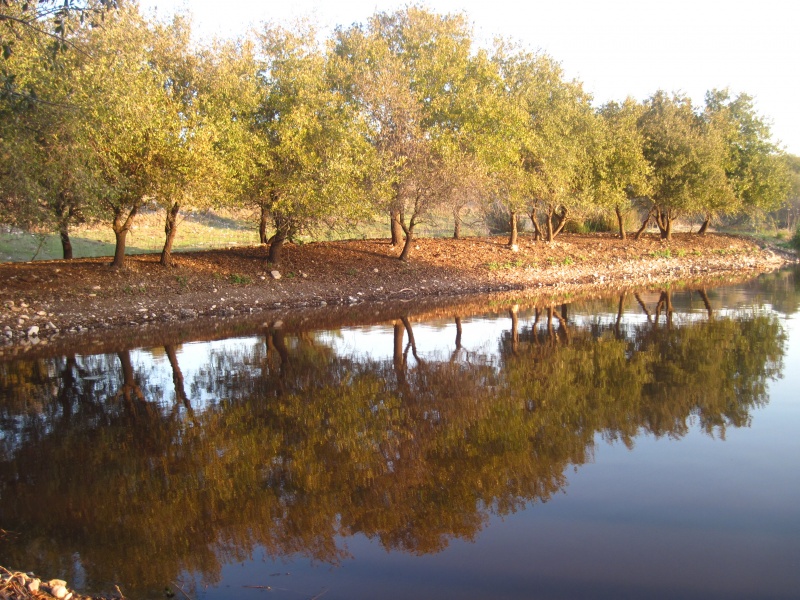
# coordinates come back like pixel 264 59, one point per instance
pixel 238 279
pixel 666 253
pixel 505 265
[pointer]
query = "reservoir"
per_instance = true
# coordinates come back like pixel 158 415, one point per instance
pixel 639 445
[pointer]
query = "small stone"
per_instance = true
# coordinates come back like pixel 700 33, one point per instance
pixel 515 248
pixel 9 304
pixel 33 585
pixel 59 591
pixel 42 313
pixel 375 270
pixel 275 274
pixel 33 331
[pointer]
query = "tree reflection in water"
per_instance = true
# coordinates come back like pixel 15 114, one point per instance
pixel 107 462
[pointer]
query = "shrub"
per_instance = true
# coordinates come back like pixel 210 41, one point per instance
pixel 795 241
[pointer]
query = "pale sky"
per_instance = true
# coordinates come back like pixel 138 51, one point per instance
pixel 615 47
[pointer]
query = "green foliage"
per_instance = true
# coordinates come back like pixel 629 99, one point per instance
pixel 795 241
pixel 237 279
pixel 402 113
pixel 505 265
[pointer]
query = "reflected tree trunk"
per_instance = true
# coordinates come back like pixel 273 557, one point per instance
pixel 644 306
pixel 177 378
pixel 411 341
pixel 706 303
pixel 618 322
pixel 514 313
pixel 131 391
pixel 563 330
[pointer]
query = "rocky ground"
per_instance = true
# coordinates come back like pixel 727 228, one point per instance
pixel 45 302
pixel 26 586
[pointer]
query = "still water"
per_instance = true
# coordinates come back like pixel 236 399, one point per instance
pixel 639 446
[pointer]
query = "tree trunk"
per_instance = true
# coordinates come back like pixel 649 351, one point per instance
pixel 276 248
pixel 396 224
pixel 458 333
pixel 262 225
pixel 64 212
pixel 170 229
pixel 122 225
pixel 412 343
pixel 704 226
pixel 537 231
pixel 549 224
pixel 562 220
pixel 456 224
pixel 66 244
pixel 283 230
pixel 664 221
pixel 512 239
pixel 409 231
pixel 641 229
pixel 620 222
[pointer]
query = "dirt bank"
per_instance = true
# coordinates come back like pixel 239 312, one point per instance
pixel 46 302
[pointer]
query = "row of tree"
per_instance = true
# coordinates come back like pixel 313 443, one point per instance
pixel 103 113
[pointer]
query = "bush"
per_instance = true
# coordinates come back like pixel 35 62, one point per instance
pixel 497 219
pixel 795 241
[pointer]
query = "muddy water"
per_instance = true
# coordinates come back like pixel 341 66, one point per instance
pixel 642 445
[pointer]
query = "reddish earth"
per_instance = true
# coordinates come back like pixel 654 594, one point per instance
pixel 62 302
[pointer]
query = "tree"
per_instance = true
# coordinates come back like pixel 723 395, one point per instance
pixel 408 72
pixel 791 207
pixel 196 172
pixel 556 135
pixel 313 161
pixel 47 181
pixel 685 155
pixel 620 168
pixel 134 128
pixel 46 25
pixel 752 162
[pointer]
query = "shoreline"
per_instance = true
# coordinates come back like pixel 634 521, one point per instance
pixel 47 306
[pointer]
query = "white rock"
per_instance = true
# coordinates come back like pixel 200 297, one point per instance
pixel 275 274
pixel 33 331
pixel 33 585
pixel 59 591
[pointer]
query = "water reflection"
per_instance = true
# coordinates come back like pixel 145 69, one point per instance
pixel 286 443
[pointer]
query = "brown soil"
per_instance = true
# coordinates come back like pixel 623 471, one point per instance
pixel 68 300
